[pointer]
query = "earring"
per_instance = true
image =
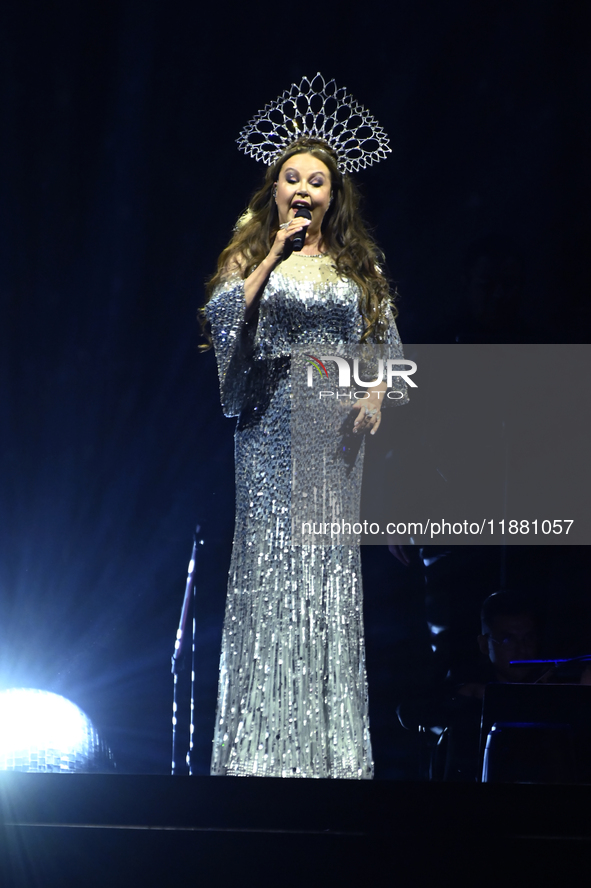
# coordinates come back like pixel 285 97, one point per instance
pixel 275 190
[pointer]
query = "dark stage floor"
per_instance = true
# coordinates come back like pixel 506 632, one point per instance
pixel 95 830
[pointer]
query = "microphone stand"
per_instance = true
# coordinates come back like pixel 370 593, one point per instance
pixel 179 645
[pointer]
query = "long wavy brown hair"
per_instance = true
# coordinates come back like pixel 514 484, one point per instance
pixel 344 237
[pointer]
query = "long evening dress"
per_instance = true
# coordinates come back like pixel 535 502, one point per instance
pixel 292 699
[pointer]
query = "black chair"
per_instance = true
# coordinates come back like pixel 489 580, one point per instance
pixel 536 734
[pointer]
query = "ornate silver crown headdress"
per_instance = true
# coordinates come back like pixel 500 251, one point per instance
pixel 319 110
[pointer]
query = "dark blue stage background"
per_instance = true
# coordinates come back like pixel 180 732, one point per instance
pixel 119 185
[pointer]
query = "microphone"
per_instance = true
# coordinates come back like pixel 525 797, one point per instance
pixel 300 236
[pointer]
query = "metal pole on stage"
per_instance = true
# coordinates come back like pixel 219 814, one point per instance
pixel 179 647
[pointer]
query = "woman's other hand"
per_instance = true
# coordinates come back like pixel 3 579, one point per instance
pixel 369 413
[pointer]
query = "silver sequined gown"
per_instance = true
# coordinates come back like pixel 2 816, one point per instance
pixel 292 699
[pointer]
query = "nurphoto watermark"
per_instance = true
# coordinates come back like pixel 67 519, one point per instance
pixel 488 444
pixel 388 371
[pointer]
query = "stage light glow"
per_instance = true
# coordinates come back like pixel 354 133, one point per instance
pixel 41 731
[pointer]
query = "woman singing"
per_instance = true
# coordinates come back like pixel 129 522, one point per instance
pixel 292 689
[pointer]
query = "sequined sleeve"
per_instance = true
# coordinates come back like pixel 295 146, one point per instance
pixel 232 341
pixel 394 348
